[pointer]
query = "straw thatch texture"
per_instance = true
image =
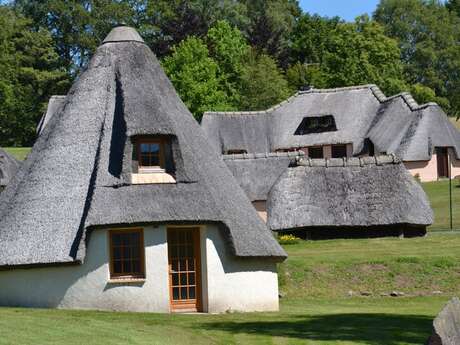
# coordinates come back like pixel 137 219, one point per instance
pixel 347 193
pixel 8 167
pixel 77 175
pixel 395 124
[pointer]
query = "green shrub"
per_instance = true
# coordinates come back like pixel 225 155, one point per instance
pixel 288 239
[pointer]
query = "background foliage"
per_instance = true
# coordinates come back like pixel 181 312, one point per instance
pixel 229 54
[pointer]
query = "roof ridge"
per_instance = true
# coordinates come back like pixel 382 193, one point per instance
pixel 349 162
pixel 406 97
pixel 338 89
pixel 253 112
pixel 263 155
pixel 376 91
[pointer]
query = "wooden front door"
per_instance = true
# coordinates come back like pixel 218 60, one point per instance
pixel 443 162
pixel 184 269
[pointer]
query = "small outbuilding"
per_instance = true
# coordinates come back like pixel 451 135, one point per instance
pixel 330 198
pixel 122 204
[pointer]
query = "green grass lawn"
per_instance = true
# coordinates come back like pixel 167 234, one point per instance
pixel 322 284
pixel 438 193
pixel 19 152
pixel 316 307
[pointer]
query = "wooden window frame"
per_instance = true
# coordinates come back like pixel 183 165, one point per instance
pixel 161 153
pixel 118 276
pixel 316 147
pixel 344 146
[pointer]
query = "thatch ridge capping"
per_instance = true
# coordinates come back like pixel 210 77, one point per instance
pixel 376 91
pixel 263 155
pixel 348 162
pixel 123 33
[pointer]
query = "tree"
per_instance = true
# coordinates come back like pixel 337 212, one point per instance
pixel 360 53
pixel 271 23
pixel 77 26
pixel 453 6
pixel 343 54
pixel 310 37
pixel 195 77
pixel 229 49
pixel 428 35
pixel 29 75
pixel 263 84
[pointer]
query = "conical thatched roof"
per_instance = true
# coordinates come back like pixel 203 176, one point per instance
pixel 371 191
pixel 77 176
pixel 8 167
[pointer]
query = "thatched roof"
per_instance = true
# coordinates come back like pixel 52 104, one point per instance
pixel 54 105
pixel 77 176
pixel 395 124
pixel 371 191
pixel 8 167
pixel 257 173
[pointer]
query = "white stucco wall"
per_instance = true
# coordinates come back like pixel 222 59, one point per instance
pixel 237 284
pixel 244 285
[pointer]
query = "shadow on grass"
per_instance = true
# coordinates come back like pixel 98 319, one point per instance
pixel 369 329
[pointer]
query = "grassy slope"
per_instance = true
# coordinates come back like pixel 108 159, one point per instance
pixel 455 122
pixel 315 309
pixel 19 152
pixel 438 193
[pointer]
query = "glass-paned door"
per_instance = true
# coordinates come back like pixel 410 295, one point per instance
pixel 184 268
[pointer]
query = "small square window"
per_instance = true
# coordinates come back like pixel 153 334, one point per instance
pixel 339 151
pixel 315 152
pixel 151 153
pixel 127 254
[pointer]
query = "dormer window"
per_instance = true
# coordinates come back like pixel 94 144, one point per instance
pixel 316 124
pixel 152 160
pixel 151 154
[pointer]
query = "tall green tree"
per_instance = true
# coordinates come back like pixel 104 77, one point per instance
pixel 344 54
pixel 229 49
pixel 263 83
pixel 78 26
pixel 428 35
pixel 195 77
pixel 29 75
pixel 271 23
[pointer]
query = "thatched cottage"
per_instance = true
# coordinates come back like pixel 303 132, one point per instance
pixel 336 197
pixel 346 122
pixel 8 167
pixel 122 204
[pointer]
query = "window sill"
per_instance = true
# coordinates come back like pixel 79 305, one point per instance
pixel 152 177
pixel 126 280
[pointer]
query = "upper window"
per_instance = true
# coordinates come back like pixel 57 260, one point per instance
pixel 316 124
pixel 127 254
pixel 151 153
pixel 339 151
pixel 235 152
pixel 315 152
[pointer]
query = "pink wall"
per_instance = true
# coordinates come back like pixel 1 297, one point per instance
pixel 428 170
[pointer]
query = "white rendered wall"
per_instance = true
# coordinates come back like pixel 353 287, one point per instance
pixel 237 284
pixel 244 285
pixel 87 286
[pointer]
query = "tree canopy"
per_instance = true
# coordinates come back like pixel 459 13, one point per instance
pixel 229 54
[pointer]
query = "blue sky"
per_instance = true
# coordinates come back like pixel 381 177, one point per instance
pixel 346 9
